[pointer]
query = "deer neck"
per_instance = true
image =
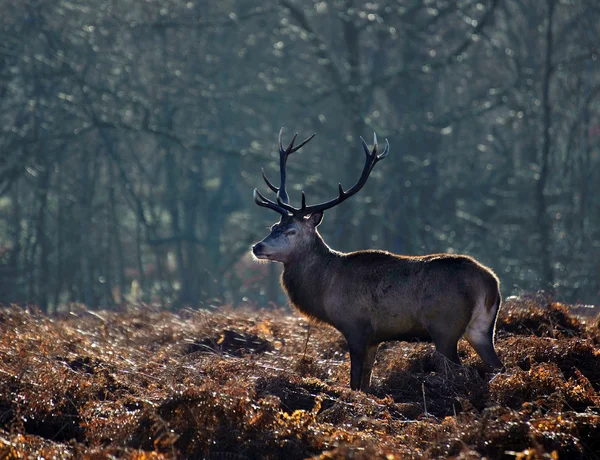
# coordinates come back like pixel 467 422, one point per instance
pixel 304 279
pixel 312 257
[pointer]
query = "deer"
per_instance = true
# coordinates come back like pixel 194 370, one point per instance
pixel 374 296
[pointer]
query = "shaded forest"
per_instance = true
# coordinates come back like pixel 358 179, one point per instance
pixel 132 134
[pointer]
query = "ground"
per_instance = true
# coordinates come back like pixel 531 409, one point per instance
pixel 228 383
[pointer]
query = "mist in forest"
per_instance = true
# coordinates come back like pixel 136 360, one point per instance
pixel 133 133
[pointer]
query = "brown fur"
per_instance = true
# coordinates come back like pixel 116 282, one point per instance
pixel 374 296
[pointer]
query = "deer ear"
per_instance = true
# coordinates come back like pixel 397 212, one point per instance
pixel 316 218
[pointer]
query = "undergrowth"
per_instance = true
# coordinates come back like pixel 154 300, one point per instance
pixel 247 384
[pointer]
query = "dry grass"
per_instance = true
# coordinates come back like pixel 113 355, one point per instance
pixel 237 384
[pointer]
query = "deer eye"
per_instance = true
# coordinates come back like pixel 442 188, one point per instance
pixel 290 232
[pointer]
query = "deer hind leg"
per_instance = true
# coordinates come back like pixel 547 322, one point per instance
pixel 480 334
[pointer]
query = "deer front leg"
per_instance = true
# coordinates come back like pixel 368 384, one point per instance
pixel 361 356
pixel 446 339
pixel 358 353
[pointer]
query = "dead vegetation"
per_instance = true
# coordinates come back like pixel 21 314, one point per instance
pixel 246 383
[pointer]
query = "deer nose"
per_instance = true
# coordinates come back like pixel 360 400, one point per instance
pixel 256 248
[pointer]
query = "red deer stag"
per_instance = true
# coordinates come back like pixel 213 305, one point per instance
pixel 373 296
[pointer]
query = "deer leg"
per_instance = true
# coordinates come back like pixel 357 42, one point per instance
pixel 358 353
pixel 361 357
pixel 485 349
pixel 368 366
pixel 483 343
pixel 480 335
pixel 358 335
pixel 445 342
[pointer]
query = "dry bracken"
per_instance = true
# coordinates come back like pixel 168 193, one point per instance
pixel 246 383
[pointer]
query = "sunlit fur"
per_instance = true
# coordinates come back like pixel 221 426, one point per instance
pixel 375 296
pixel 260 260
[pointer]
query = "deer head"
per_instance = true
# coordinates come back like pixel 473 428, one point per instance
pixel 296 232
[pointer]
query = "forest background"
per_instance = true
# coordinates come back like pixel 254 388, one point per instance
pixel 133 132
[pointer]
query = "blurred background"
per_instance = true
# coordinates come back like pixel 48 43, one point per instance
pixel 133 132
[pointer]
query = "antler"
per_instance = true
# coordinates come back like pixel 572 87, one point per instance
pixel 371 159
pixel 284 208
pixel 283 155
pixel 260 200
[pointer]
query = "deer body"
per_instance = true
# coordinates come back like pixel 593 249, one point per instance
pixel 375 296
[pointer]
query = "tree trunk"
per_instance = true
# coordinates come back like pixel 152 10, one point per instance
pixel 195 280
pixel 116 244
pixel 141 283
pixel 87 171
pixel 353 100
pixel 543 220
pixel 14 266
pixel 60 241
pixel 42 239
pixel 172 199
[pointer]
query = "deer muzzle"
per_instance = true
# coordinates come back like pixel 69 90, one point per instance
pixel 259 251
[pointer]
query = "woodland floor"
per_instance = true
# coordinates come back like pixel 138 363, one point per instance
pixel 142 383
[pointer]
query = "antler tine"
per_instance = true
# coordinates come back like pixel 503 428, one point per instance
pixel 365 147
pixel 304 142
pixel 282 196
pixel 269 184
pixel 385 152
pixel 288 207
pixel 280 144
pixel 261 200
pixel 282 205
pixel 371 159
pixel 290 147
pixel 370 153
pixel 283 154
